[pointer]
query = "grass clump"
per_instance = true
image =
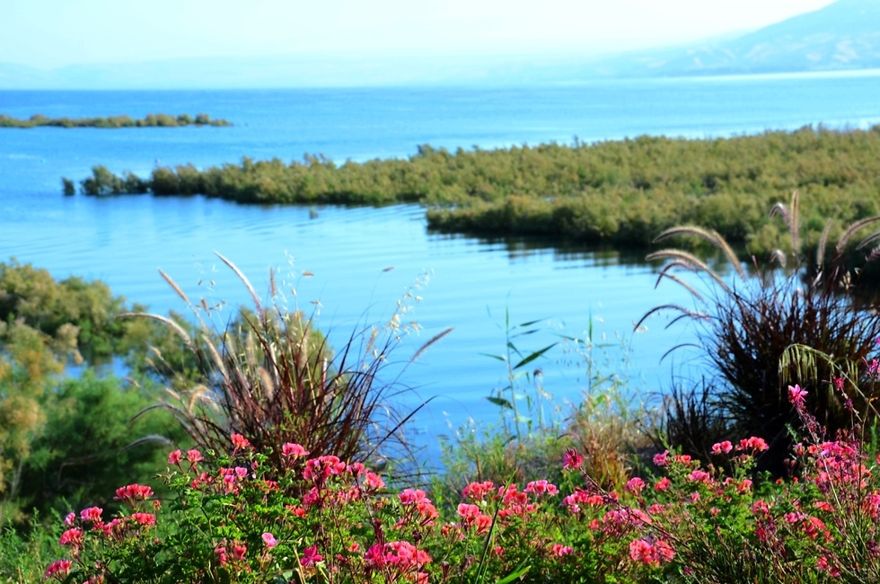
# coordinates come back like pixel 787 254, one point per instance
pixel 746 323
pixel 271 377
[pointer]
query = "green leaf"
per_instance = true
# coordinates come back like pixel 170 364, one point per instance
pixel 500 401
pixel 534 356
pixel 491 356
pixel 515 575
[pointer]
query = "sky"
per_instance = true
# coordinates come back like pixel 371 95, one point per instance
pixel 56 33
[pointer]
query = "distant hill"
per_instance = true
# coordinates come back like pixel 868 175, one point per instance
pixel 843 35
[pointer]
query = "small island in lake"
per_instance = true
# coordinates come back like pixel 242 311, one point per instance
pixel 113 122
pixel 619 192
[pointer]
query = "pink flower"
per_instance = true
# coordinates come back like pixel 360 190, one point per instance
pixel 269 540
pixel 472 517
pixel 91 514
pixel 145 519
pixel 134 492
pixel 478 491
pixel 70 519
pixel 796 396
pixel 651 553
pixel 635 485
pixel 373 482
pixel 700 476
pixel 722 447
pixel 760 507
pixel 662 458
pixel 571 460
pixel 175 456
pixel 559 550
pixel 239 442
pixel 311 556
pixel 58 569
pixel 71 537
pixel 194 456
pixel 400 554
pixel 408 496
pixel 292 450
pixel 321 468
pixel 374 557
pixel 753 443
pixel 222 557
pixel 541 487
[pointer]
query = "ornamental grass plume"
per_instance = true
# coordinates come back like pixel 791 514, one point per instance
pixel 272 378
pixel 744 325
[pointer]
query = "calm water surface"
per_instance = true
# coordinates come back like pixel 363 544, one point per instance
pixel 463 282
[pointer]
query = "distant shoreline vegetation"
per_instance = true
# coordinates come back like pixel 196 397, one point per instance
pixel 113 122
pixel 621 192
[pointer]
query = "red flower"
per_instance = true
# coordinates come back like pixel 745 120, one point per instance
pixel 174 457
pixel 58 569
pixel 663 484
pixel 239 551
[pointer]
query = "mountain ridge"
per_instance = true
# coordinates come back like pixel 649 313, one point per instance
pixel 842 36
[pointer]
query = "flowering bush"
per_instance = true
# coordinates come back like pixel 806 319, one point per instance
pixel 235 518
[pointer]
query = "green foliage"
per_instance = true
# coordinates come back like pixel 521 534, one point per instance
pixel 68 187
pixel 112 122
pixel 25 555
pixel 622 191
pixel 96 431
pixel 608 425
pixel 50 430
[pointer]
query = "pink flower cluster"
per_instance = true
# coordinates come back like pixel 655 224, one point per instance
pixel 651 553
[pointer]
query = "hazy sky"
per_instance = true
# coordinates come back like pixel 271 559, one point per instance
pixel 51 33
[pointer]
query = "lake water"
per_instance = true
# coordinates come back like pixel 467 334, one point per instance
pixel 464 283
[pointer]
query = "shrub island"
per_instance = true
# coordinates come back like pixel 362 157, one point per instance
pixel 113 122
pixel 621 192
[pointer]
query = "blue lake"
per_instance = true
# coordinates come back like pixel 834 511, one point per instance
pixel 463 282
